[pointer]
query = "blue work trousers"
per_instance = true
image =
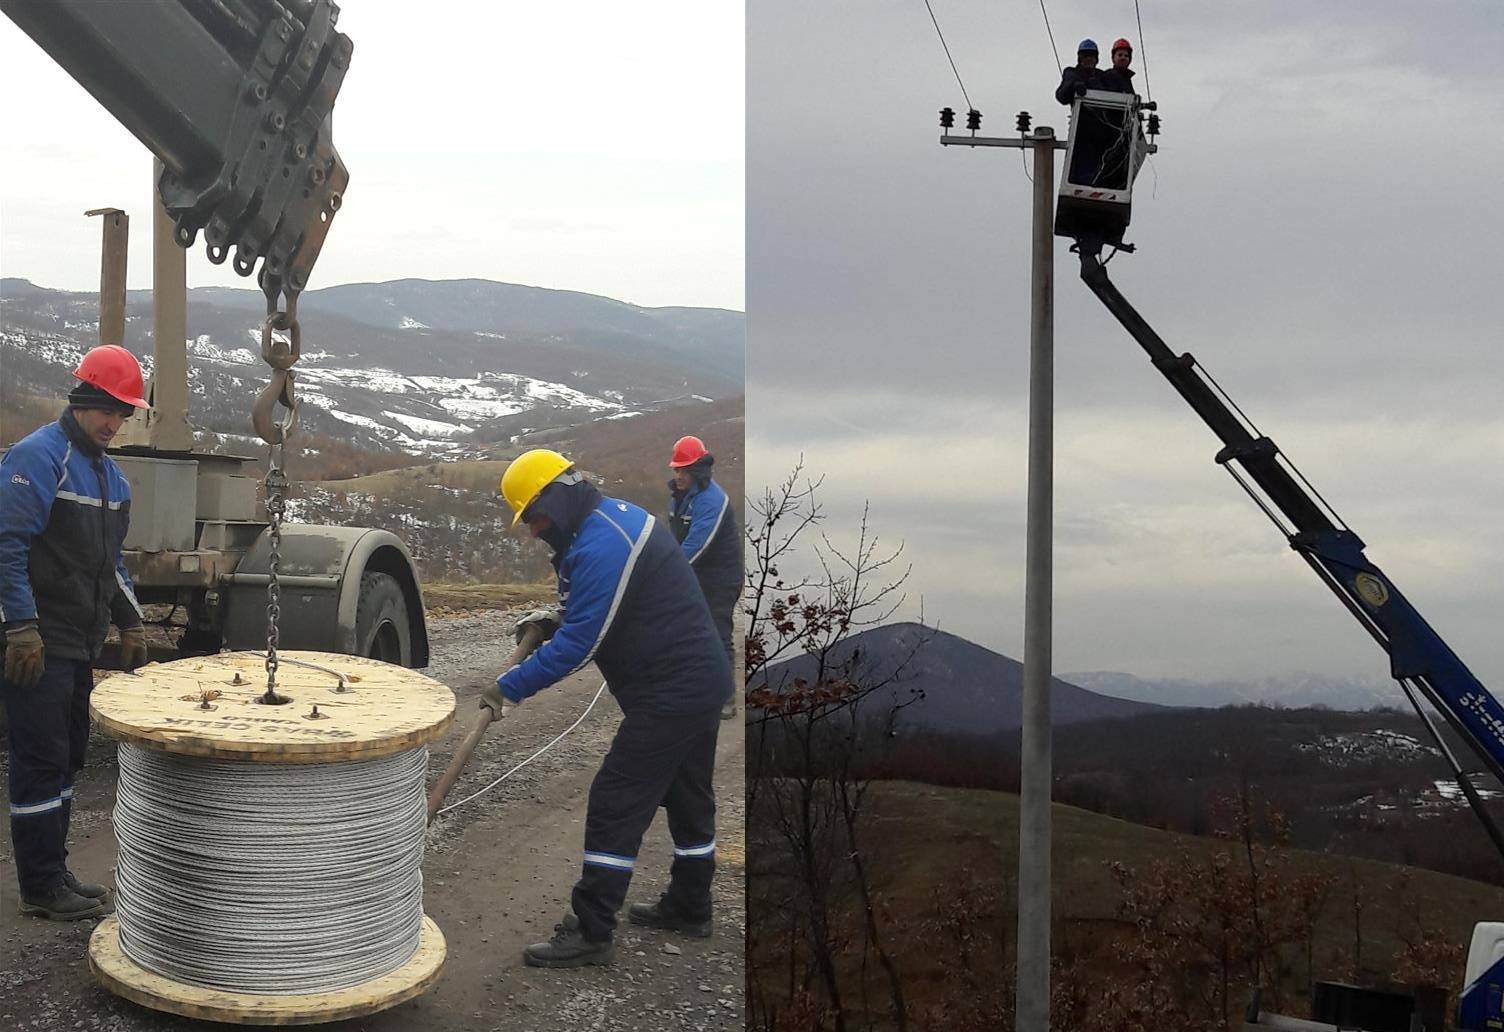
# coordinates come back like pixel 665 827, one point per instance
pixel 656 760
pixel 48 732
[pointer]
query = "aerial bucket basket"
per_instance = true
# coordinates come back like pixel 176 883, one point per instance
pixel 1106 149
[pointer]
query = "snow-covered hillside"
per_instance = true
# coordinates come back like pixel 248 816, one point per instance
pixel 434 387
pixel 1290 690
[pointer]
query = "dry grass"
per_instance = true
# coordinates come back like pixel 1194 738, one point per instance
pixel 921 826
pixel 20 414
pixel 453 595
pixel 482 475
pixel 923 843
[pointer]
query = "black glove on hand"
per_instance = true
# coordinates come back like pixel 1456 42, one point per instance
pixel 24 655
pixel 132 648
pixel 545 618
pixel 493 700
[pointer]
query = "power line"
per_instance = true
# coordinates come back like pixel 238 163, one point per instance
pixel 1056 50
pixel 1142 50
pixel 947 54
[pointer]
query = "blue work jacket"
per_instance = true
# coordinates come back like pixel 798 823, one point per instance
pixel 708 532
pixel 65 507
pixel 630 603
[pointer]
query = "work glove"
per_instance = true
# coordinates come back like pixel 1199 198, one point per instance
pixel 546 618
pixel 132 648
pixel 23 655
pixel 493 700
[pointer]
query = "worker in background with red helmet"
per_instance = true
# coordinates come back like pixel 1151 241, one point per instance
pixel 1119 77
pixel 702 520
pixel 64 511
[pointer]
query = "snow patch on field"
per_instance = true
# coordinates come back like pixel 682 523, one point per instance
pixel 427 427
pixel 1451 791
pixel 204 349
pixel 359 420
pixel 1346 750
pixel 493 395
pixel 382 381
pixel 46 347
pixel 391 435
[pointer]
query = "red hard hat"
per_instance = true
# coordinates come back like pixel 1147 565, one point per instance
pixel 1122 44
pixel 687 452
pixel 115 371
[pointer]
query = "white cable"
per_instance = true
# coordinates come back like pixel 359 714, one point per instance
pixel 579 720
pixel 269 878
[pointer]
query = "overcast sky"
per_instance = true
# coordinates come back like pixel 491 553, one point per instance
pixel 592 146
pixel 1320 229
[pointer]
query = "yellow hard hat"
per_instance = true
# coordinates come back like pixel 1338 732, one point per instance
pixel 527 476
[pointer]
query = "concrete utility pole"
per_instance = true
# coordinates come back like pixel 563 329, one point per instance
pixel 1033 1004
pixel 165 426
pixel 112 257
pixel 170 429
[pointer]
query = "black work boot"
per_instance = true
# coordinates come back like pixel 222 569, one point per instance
pixel 62 904
pixel 89 890
pixel 568 948
pixel 664 915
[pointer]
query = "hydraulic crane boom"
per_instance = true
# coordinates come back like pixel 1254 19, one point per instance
pixel 1419 658
pixel 233 97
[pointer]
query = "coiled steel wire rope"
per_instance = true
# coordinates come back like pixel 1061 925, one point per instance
pixel 269 878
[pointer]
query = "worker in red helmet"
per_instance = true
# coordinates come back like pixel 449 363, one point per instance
pixel 1119 77
pixel 701 518
pixel 64 511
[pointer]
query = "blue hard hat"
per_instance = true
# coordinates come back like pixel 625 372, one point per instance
pixel 1088 46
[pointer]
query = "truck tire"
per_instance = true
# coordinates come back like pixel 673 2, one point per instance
pixel 382 630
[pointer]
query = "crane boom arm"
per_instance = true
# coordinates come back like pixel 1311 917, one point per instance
pixel 233 96
pixel 1417 654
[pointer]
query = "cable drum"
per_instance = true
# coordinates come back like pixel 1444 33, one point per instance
pixel 270 856
pixel 269 878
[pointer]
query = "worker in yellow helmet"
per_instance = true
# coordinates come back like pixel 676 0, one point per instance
pixel 630 603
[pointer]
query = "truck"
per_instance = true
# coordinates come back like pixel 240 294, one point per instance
pixel 1093 210
pixel 233 98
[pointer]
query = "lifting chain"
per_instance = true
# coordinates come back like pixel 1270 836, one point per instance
pixel 280 355
pixel 276 507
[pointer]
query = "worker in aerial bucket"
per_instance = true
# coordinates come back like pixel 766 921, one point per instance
pixel 64 511
pixel 702 521
pixel 631 603
pixel 1082 76
pixel 1119 77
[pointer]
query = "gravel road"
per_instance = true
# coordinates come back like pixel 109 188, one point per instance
pixel 497 876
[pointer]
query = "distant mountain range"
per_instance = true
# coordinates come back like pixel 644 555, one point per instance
pixel 1291 691
pixel 437 369
pixel 967 689
pixel 708 338
pixel 974 690
pixel 1367 783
